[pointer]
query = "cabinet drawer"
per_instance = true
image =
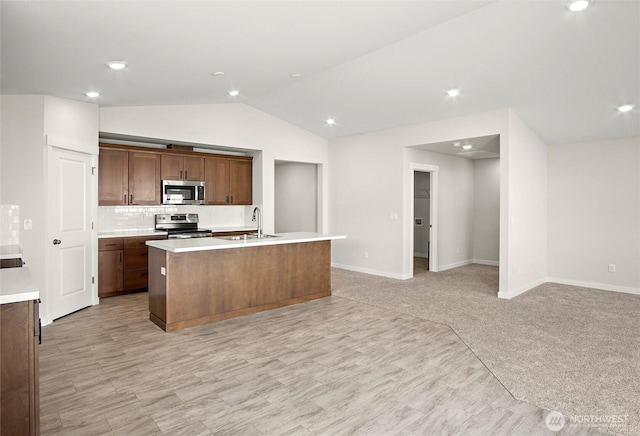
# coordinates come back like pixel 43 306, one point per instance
pixel 136 279
pixel 135 258
pixel 109 244
pixel 139 241
pixel 11 263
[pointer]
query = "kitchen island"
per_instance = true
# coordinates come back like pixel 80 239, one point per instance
pixel 198 281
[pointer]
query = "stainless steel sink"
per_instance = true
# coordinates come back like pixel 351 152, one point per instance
pixel 247 237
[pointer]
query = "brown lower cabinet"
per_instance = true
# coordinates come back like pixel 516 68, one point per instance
pixel 19 380
pixel 122 265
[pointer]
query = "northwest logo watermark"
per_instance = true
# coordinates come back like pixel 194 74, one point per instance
pixel 556 421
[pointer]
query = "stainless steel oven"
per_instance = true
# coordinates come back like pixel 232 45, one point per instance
pixel 182 192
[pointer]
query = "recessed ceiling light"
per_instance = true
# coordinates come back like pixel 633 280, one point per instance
pixel 116 65
pixel 234 92
pixel 92 94
pixel 467 146
pixel 578 5
pixel 456 144
pixel 454 92
pixel 218 73
pixel 295 75
pixel 626 107
pixel 330 121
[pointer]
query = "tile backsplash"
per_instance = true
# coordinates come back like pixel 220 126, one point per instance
pixel 113 218
pixel 9 224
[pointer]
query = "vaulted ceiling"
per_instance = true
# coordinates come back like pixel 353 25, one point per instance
pixel 370 65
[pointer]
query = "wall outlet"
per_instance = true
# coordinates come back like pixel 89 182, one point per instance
pixel 163 271
pixel 28 224
pixel 612 267
pixel 366 255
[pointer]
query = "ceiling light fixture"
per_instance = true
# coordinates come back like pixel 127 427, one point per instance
pixel 218 73
pixel 456 144
pixel 454 92
pixel 92 94
pixel 578 5
pixel 330 121
pixel 234 92
pixel 467 146
pixel 116 65
pixel 626 108
pixel 295 75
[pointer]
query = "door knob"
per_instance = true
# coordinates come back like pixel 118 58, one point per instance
pixel 57 242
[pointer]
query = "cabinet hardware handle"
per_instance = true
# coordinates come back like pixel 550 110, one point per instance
pixel 231 202
pixel 57 242
pixel 180 174
pixel 185 174
pixel 130 198
pixel 124 199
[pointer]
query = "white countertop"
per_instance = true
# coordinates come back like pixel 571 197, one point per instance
pixel 130 233
pixel 16 284
pixel 10 252
pixel 153 232
pixel 202 244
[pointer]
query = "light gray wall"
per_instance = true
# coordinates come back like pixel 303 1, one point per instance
pixel 526 192
pixel 486 211
pixel 594 214
pixel 421 209
pixel 296 197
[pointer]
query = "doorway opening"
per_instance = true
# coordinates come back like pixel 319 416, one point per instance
pixel 295 197
pixel 424 216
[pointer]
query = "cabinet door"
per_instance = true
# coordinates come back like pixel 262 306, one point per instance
pixel 193 168
pixel 136 258
pixel 171 167
pixel 110 272
pixel 216 178
pixel 240 182
pixel 144 178
pixel 113 177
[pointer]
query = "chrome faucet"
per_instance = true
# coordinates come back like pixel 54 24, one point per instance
pixel 257 211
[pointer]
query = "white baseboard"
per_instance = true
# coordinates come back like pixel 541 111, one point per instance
pixel 486 262
pixel 425 255
pixel 600 286
pixel 374 272
pixel 454 265
pixel 521 289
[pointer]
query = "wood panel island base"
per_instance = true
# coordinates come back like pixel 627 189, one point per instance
pixel 198 281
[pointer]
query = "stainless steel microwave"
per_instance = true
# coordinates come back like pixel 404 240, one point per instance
pixel 182 192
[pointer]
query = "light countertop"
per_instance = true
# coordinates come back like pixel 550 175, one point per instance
pixel 16 284
pixel 153 232
pixel 130 233
pixel 10 252
pixel 202 244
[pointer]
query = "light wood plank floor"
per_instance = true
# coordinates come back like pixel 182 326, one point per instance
pixel 330 366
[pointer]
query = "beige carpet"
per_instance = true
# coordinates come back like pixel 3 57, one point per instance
pixel 564 348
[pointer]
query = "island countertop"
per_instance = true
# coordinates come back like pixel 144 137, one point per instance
pixel 203 244
pixel 16 285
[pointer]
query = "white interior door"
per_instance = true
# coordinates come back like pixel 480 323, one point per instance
pixel 70 263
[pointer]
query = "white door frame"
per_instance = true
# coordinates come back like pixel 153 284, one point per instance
pixel 433 213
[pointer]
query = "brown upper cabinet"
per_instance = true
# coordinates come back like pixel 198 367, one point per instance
pixel 228 181
pixel 177 167
pixel 128 177
pixel 132 175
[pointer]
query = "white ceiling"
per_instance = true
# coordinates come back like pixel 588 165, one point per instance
pixel 371 65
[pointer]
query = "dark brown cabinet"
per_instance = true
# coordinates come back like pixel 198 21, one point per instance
pixel 228 180
pixel 144 178
pixel 122 265
pixel 19 378
pixel 128 178
pixel 177 167
pixel 110 267
pixel 113 177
